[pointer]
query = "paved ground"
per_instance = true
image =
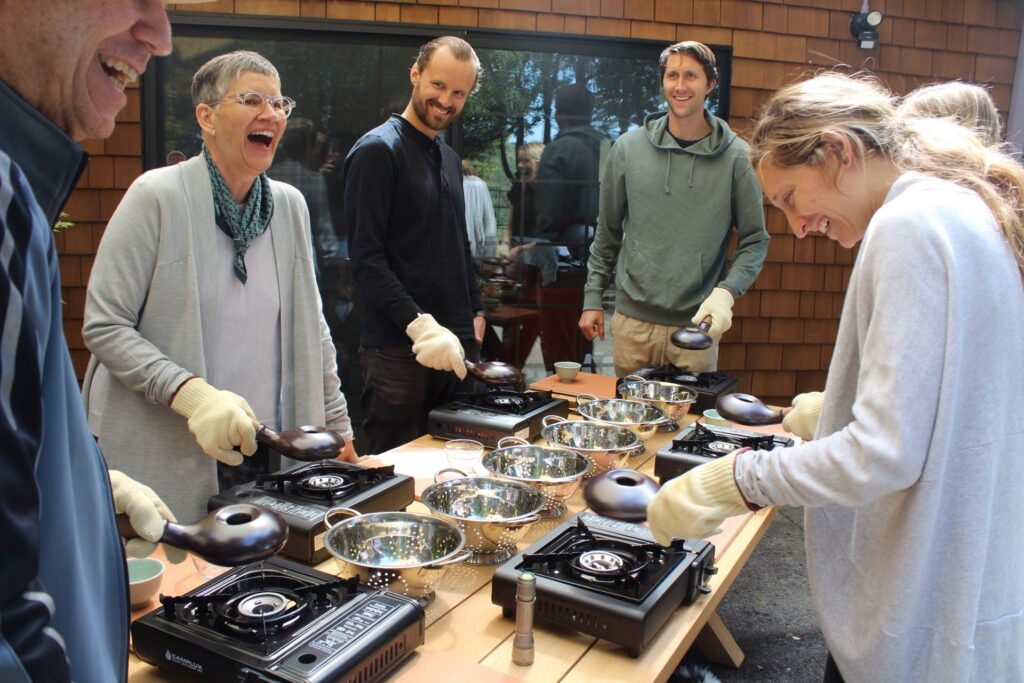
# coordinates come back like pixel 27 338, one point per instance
pixel 768 608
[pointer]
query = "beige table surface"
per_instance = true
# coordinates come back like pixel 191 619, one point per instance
pixel 468 637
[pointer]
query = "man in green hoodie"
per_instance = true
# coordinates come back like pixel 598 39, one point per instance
pixel 671 192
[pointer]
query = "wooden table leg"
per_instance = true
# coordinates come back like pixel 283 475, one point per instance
pixel 717 644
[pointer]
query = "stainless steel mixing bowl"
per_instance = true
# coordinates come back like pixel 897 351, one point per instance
pixel 405 552
pixel 639 416
pixel 606 445
pixel 555 472
pixel 672 399
pixel 492 513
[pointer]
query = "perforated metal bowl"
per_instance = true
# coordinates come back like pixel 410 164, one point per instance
pixel 607 446
pixel 672 399
pixel 404 552
pixel 492 513
pixel 639 416
pixel 555 472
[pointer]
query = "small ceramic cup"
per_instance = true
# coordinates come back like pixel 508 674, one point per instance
pixel 466 456
pixel 567 370
pixel 144 576
pixel 712 417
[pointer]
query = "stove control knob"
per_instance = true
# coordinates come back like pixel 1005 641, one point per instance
pixel 706 572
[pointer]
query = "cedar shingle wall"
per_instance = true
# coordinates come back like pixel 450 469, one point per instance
pixel 785 327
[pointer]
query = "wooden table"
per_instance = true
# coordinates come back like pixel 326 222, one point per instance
pixel 467 635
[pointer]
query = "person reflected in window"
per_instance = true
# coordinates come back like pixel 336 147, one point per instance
pixel 567 204
pixel 672 192
pixel 481 226
pixel 292 166
pixel 406 220
pixel 521 321
pixel 202 312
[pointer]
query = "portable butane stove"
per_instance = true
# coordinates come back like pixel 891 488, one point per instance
pixel 303 494
pixel 495 414
pixel 699 443
pixel 607 578
pixel 280 621
pixel 708 385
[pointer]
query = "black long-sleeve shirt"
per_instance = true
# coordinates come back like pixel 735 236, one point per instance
pixel 406 220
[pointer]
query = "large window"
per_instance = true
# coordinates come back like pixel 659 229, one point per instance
pixel 540 165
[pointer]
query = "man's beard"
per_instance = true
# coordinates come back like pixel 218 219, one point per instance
pixel 419 105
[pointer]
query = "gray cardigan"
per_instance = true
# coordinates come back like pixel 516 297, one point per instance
pixel 912 486
pixel 146 315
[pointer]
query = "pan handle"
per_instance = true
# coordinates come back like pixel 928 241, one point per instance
pixel 438 474
pixel 512 440
pixel 458 559
pixel 348 512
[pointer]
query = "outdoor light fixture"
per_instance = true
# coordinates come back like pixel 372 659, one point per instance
pixel 864 27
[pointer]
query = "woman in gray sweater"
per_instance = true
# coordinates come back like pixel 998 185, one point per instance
pixel 911 487
pixel 202 311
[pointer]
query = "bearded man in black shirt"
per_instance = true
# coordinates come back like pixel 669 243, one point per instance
pixel 422 313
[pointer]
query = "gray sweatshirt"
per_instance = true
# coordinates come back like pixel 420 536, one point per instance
pixel 913 484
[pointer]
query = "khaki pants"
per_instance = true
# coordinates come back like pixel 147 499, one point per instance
pixel 638 344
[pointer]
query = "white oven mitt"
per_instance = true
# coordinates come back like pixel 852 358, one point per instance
pixel 436 347
pixel 719 306
pixel 220 420
pixel 147 515
pixel 802 420
pixel 694 504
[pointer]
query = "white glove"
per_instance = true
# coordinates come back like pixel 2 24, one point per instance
pixel 502 250
pixel 694 504
pixel 220 420
pixel 147 514
pixel 719 306
pixel 802 420
pixel 435 346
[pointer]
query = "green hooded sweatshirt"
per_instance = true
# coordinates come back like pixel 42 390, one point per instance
pixel 665 221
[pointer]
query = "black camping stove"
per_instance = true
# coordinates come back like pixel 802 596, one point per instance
pixel 489 416
pixel 303 494
pixel 280 621
pixel 607 578
pixel 708 385
pixel 699 443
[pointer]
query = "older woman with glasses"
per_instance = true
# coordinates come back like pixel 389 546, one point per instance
pixel 202 312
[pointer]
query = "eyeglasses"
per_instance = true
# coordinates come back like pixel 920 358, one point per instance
pixel 255 101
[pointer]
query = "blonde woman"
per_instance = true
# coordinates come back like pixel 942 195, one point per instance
pixel 970 105
pixel 911 488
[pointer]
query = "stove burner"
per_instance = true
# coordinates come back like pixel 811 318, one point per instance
pixel 607 578
pixel 277 620
pixel 260 613
pixel 601 562
pixel 258 604
pixel 505 400
pixel 264 604
pixel 722 447
pixel 323 482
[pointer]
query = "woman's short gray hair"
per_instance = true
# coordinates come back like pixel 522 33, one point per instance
pixel 213 79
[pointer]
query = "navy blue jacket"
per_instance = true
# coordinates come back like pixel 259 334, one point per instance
pixel 63 592
pixel 406 221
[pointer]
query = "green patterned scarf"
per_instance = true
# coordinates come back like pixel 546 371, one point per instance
pixel 245 225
